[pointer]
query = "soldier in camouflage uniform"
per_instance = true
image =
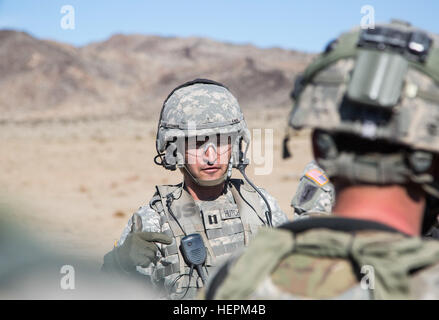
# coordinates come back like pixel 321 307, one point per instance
pixel 372 99
pixel 315 194
pixel 201 131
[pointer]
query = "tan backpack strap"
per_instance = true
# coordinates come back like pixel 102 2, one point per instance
pixel 257 262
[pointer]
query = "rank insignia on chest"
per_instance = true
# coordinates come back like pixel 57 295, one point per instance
pixel 212 219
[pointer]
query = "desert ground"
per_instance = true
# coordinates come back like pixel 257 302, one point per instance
pixel 76 184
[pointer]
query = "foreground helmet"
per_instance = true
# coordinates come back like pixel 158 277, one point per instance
pixel 195 109
pixel 373 99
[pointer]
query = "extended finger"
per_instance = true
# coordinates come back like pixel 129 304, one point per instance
pixel 159 237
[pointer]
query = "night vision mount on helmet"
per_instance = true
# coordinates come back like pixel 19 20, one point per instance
pixel 373 99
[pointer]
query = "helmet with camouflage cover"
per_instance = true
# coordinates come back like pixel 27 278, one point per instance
pixel 200 108
pixel 373 99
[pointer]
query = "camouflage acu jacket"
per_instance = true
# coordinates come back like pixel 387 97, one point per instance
pixel 371 261
pixel 224 224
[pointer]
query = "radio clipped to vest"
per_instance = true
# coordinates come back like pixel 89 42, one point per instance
pixel 194 253
pixel 192 249
pixel 214 230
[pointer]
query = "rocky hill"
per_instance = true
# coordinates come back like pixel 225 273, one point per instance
pixel 130 75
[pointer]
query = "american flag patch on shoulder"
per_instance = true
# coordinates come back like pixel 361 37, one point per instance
pixel 317 176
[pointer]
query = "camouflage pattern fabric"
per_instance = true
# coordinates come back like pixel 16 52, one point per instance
pixel 153 221
pixel 199 110
pixel 324 101
pixel 205 105
pixel 319 105
pixel 315 193
pixel 348 94
pixel 326 264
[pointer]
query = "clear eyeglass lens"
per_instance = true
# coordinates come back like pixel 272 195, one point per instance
pixel 198 146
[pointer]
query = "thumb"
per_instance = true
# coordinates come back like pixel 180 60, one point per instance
pixel 136 223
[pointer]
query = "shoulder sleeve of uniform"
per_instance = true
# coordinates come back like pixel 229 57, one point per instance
pixel 315 174
pixel 144 219
pixel 315 193
pixel 278 216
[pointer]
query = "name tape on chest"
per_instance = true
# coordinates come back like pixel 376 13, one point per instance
pixel 230 213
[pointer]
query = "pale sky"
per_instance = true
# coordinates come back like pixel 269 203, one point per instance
pixel 300 25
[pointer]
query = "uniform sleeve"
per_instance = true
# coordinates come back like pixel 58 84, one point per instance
pixel 150 222
pixel 314 194
pixel 278 216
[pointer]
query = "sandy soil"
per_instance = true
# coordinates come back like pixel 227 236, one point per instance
pixel 77 184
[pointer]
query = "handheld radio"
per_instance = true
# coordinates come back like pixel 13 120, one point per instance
pixel 194 253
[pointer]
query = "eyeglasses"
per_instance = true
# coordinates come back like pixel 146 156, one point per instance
pixel 198 146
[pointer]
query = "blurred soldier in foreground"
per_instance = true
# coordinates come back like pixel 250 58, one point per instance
pixel 372 99
pixel 201 221
pixel 315 196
